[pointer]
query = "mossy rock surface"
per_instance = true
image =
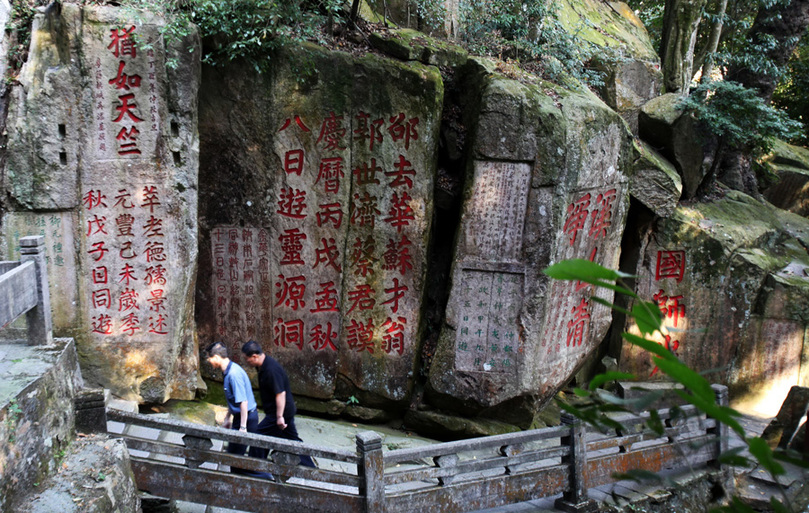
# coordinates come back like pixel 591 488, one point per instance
pixel 450 427
pixel 611 25
pixel 412 45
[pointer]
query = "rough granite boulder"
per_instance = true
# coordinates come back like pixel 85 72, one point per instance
pixel 316 216
pixel 662 124
pixel 626 55
pixel 548 180
pixel 791 166
pixel 102 161
pixel 730 278
pixel 654 182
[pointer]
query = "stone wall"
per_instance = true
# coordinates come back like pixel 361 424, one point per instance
pixel 37 419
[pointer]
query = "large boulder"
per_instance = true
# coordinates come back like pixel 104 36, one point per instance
pixel 790 191
pixel 317 208
pixel 629 61
pixel 547 181
pixel 102 161
pixel 677 136
pixel 655 182
pixel 730 279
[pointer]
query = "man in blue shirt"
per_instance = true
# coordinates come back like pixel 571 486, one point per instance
pixel 241 404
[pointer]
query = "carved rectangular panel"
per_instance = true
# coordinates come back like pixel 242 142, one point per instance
pixel 495 219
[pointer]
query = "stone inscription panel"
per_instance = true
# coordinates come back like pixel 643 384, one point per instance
pixel 494 222
pixel 127 232
pixel 58 230
pixel 586 231
pixel 487 335
pixel 242 283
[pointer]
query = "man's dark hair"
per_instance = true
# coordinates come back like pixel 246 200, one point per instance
pixel 251 347
pixel 218 349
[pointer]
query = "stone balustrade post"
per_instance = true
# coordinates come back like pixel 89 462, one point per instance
pixel 40 327
pixel 370 469
pixel 721 429
pixel 198 444
pixel 575 499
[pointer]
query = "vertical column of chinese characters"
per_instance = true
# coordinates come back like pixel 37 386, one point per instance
pixel 101 306
pixel 670 265
pixel 264 283
pixel 57 249
pixel 250 294
pixel 156 275
pixel 359 325
pixel 292 209
pixel 100 108
pixel 153 103
pixel 327 267
pixel 220 282
pixel 125 86
pixel 588 221
pixel 234 287
pixel 402 228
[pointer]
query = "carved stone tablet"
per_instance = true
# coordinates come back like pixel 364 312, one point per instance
pixel 496 215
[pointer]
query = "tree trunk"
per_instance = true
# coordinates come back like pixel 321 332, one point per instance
pixel 679 37
pixel 785 24
pixel 706 59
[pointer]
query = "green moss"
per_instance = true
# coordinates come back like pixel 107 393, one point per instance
pixel 609 25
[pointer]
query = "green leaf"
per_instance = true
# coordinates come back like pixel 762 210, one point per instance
pixel 649 345
pixel 791 457
pixel 639 476
pixel 734 458
pixel 647 316
pixel 777 507
pixel 589 272
pixel 764 455
pixel 600 379
pixel 609 305
pixel 722 414
pixel 581 392
pixel 654 423
pixel 686 376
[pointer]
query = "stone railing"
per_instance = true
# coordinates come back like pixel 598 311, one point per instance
pixel 178 460
pixel 24 290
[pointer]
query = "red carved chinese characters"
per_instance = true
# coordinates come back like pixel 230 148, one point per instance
pixel 124 244
pixel 670 264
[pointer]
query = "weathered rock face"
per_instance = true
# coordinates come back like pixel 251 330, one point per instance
pixel 546 183
pixel 791 166
pixel 730 280
pixel 677 136
pixel 317 206
pixel 655 182
pixel 102 161
pixel 631 65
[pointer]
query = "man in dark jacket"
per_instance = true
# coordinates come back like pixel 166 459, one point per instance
pixel 276 397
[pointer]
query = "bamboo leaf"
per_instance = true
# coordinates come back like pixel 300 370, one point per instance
pixel 649 345
pixel 606 377
pixel 647 316
pixel 762 452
